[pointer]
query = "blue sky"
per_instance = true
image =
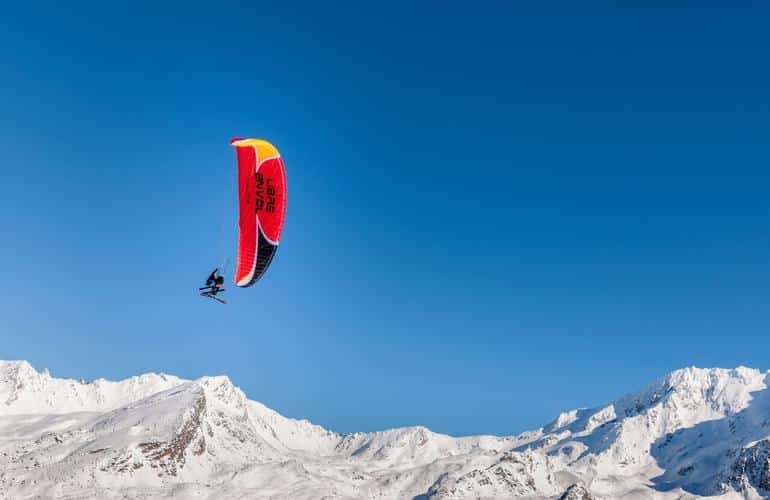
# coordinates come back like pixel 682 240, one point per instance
pixel 496 212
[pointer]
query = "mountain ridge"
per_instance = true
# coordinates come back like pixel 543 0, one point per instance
pixel 693 433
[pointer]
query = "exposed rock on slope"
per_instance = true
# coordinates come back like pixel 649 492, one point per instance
pixel 576 492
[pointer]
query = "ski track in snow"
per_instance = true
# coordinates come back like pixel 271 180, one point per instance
pixel 692 434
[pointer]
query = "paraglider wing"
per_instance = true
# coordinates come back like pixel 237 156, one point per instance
pixel 262 205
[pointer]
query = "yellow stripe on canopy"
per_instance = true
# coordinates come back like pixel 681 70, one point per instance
pixel 264 149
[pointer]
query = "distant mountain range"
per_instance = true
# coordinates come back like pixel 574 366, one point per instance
pixel 694 433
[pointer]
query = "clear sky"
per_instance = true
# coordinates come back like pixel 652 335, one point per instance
pixel 497 211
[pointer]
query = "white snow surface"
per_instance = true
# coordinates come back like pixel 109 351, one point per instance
pixel 695 433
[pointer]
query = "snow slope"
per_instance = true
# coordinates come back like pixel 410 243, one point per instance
pixel 695 433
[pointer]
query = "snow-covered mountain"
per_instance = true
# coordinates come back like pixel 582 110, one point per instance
pixel 695 433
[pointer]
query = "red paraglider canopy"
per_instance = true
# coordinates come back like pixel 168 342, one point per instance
pixel 262 202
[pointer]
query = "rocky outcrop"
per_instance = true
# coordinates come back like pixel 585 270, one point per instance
pixel 576 492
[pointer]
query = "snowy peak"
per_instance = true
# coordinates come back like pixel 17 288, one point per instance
pixel 25 390
pixel 696 390
pixel 17 376
pixel 680 399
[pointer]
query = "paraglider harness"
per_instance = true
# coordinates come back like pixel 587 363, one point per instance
pixel 214 285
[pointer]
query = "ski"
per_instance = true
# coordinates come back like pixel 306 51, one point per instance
pixel 204 294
